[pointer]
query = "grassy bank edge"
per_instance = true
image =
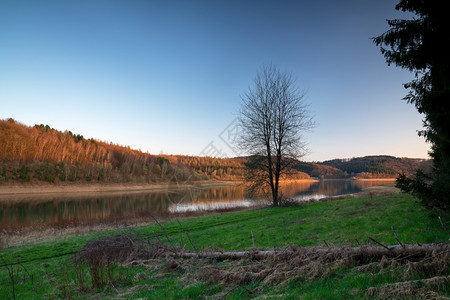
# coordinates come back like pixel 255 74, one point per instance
pixel 307 225
pixel 256 217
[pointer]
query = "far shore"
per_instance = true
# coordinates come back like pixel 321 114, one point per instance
pixel 357 179
pixel 80 188
pixel 83 188
pixel 376 179
pixel 88 188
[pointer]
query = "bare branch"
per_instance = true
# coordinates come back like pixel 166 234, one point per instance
pixel 273 118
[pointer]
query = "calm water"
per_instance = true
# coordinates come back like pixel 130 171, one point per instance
pixel 63 210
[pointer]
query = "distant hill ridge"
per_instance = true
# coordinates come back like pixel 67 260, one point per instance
pixel 41 153
pixel 377 165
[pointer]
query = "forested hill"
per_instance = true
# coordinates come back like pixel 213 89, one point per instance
pixel 376 166
pixel 41 153
pixel 320 170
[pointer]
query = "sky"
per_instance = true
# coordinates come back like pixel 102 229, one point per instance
pixel 168 76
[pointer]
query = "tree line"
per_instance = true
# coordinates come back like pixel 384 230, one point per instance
pixel 42 153
pixel 46 154
pixel 376 165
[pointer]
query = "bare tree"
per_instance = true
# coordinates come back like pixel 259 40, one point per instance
pixel 273 117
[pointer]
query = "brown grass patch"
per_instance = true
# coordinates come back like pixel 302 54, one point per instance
pixel 414 288
pixel 274 268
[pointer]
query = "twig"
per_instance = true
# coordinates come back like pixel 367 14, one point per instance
pixel 167 235
pixel 187 234
pixel 326 243
pixel 443 226
pixel 11 276
pixel 253 239
pixel 358 242
pixel 374 240
pixel 10 268
pixel 285 249
pixel 422 260
pixel 396 237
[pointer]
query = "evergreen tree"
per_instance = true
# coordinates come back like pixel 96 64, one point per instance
pixel 422 45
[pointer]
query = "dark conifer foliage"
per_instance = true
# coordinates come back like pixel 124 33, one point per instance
pixel 422 45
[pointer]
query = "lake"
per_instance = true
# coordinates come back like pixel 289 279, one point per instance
pixel 59 210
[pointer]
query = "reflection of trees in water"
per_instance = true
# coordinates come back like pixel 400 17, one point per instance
pixel 57 212
pixel 290 189
pixel 97 209
pixel 25 214
pixel 326 187
pixel 224 194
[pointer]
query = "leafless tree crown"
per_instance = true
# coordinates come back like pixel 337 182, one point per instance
pixel 273 117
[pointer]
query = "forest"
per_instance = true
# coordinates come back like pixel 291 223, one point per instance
pixel 45 154
pixel 377 166
pixel 41 153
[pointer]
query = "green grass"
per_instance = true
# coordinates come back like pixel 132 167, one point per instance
pixel 46 271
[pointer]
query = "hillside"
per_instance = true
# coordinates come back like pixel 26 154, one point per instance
pixel 375 166
pixel 319 170
pixel 41 153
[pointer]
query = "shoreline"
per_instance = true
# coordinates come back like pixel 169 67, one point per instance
pixel 80 189
pixel 83 188
pixel 41 234
pixel 376 179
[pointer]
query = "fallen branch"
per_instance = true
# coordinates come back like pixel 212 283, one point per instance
pixel 356 252
pixel 374 240
pixel 396 237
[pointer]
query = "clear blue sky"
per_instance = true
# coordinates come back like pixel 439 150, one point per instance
pixel 167 76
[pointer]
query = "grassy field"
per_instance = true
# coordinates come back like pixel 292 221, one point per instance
pixel 47 270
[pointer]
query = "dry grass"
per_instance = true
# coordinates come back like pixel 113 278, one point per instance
pixel 277 269
pixel 434 271
pixel 420 289
pixel 102 255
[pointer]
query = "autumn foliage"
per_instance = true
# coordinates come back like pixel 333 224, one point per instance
pixel 41 153
pixel 46 154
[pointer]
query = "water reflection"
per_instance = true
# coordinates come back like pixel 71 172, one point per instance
pixel 55 211
pixel 212 206
pixel 301 191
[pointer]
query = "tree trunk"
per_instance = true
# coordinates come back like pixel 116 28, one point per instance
pixel 274 197
pixel 372 252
